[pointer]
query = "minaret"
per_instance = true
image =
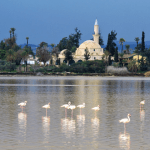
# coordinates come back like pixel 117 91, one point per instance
pixel 96 31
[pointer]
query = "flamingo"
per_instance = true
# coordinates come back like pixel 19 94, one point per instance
pixel 142 103
pixel 96 109
pixel 22 104
pixel 81 106
pixel 72 107
pixel 46 106
pixel 125 120
pixel 66 106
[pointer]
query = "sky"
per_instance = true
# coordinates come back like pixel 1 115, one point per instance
pixel 51 20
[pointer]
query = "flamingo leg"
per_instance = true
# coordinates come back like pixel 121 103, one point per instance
pixel 72 113
pixel 46 112
pixel 65 112
pixel 80 111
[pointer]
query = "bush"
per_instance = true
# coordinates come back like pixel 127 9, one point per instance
pixel 8 66
pixel 147 74
pixel 113 70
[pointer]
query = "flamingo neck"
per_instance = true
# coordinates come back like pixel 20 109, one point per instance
pixel 128 118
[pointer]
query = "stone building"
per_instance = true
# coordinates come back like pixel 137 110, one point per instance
pixel 95 50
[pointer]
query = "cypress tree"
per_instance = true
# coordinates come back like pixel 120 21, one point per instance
pixel 116 54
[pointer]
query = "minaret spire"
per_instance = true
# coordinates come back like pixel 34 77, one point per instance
pixel 96 31
pixel 96 22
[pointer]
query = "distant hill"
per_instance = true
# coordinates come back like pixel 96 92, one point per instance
pixel 33 47
pixel 132 46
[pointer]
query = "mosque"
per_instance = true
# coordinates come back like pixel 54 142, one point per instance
pixel 95 50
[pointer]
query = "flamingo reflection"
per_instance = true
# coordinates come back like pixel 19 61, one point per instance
pixel 96 109
pixel 81 106
pixel 95 125
pixel 124 141
pixel 66 106
pixel 142 115
pixel 81 123
pixel 22 122
pixel 68 126
pixel 46 127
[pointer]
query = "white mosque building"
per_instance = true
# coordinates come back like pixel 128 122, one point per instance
pixel 95 50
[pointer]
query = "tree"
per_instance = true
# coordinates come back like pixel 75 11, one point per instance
pixel 142 51
pixel 143 42
pixel 137 40
pixel 77 37
pixel 10 33
pixel 116 55
pixel 10 55
pixel 121 42
pixel 43 54
pixel 137 48
pixel 87 54
pixel 27 38
pixel 111 45
pixel 13 30
pixel 63 44
pixel 71 41
pixel 127 48
pixel 55 52
pixel 43 44
pixel 106 54
pixel 68 56
pixel 18 57
pixel 52 45
pixel 24 56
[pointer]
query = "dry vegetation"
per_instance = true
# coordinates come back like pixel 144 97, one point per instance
pixel 114 70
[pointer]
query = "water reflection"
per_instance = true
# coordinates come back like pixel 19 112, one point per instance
pixel 81 123
pixel 22 122
pixel 95 125
pixel 124 141
pixel 142 115
pixel 46 128
pixel 68 127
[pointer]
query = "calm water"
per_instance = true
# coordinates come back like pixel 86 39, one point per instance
pixel 31 129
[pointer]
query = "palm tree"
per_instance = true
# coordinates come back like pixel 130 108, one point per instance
pixel 27 38
pixel 13 30
pixel 121 42
pixel 10 34
pixel 24 56
pixel 137 40
pixel 127 48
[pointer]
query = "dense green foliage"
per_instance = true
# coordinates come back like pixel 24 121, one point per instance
pixel 97 66
pixel 7 66
pixel 71 42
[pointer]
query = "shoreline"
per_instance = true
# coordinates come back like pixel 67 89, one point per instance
pixel 73 74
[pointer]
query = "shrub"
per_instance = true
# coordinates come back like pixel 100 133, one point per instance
pixel 113 70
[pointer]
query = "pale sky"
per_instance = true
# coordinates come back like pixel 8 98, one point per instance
pixel 51 20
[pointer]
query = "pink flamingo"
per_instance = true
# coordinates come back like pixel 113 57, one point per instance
pixel 81 106
pixel 125 120
pixel 142 103
pixel 96 109
pixel 22 104
pixel 66 106
pixel 72 107
pixel 46 106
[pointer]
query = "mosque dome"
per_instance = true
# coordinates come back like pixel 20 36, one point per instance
pixel 90 45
